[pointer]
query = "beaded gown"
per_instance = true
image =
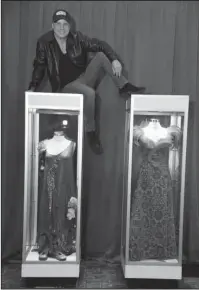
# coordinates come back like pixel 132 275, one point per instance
pixel 152 224
pixel 57 186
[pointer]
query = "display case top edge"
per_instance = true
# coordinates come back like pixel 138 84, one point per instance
pixel 28 93
pixel 169 103
pixel 54 101
pixel 147 96
pixel 160 101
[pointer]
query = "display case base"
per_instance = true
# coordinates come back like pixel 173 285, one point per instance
pixel 47 270
pixel 144 271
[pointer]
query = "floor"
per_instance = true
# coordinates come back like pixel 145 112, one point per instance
pixel 94 275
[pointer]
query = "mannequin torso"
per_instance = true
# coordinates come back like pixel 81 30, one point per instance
pixel 152 225
pixel 56 146
pixel 152 135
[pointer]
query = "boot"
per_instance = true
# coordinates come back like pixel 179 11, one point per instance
pixel 129 89
pixel 57 255
pixel 43 255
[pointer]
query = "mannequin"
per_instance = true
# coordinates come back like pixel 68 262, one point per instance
pixel 58 203
pixel 57 144
pixel 152 225
pixel 155 131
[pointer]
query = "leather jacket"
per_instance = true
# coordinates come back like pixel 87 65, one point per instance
pixel 47 56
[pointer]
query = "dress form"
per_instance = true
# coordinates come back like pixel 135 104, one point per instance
pixel 59 172
pixel 154 131
pixel 152 224
pixel 56 145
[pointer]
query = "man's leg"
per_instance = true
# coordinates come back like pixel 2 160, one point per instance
pixel 100 63
pixel 89 101
pixel 89 112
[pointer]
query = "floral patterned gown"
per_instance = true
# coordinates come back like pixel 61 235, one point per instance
pixel 152 224
pixel 55 231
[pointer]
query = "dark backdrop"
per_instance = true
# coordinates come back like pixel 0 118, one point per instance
pixel 158 42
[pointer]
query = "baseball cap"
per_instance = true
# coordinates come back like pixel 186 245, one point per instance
pixel 61 14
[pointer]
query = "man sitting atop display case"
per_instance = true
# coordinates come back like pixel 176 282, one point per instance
pixel 63 51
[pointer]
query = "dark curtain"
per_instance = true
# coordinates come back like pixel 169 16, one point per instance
pixel 158 42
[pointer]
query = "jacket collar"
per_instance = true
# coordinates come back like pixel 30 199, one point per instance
pixel 50 38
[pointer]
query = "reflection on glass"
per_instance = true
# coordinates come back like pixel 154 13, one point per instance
pixel 57 193
pixel 125 180
pixel 155 188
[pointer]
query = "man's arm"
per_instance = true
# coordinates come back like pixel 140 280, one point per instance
pixel 96 45
pixel 39 67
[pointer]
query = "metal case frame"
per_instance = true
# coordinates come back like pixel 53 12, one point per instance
pixel 58 103
pixel 144 104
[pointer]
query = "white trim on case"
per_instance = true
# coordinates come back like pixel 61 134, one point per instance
pixel 55 102
pixel 158 105
pixel 63 269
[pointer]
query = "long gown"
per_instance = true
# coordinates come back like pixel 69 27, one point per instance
pixel 152 224
pixel 55 231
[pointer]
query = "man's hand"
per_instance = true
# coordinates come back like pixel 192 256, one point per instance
pixel 117 68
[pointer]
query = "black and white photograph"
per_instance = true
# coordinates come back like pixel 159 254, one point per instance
pixel 99 136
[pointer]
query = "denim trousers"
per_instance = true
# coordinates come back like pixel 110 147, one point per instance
pixel 87 83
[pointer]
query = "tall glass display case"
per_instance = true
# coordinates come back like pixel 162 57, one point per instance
pixel 153 186
pixel 52 185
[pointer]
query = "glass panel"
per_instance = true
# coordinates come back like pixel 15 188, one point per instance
pixel 28 198
pixel 51 222
pixel 125 182
pixel 155 187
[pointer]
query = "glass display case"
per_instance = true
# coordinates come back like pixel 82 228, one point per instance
pixel 153 186
pixel 52 184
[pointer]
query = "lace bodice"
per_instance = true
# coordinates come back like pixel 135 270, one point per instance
pixel 155 145
pixel 62 149
pixel 152 139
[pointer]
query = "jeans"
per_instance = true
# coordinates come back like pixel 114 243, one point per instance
pixel 87 83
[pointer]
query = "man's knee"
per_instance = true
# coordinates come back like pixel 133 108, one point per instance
pixel 101 55
pixel 89 92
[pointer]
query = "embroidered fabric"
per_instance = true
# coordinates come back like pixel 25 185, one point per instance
pixel 55 231
pixel 152 224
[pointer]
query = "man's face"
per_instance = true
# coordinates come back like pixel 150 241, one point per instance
pixel 61 28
